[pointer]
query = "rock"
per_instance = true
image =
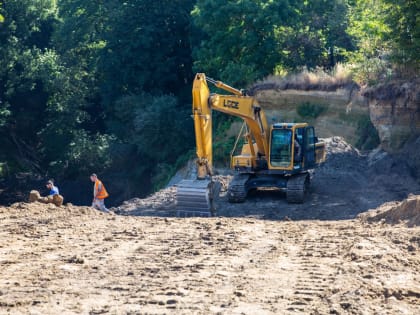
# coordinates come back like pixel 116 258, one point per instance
pixel 58 200
pixel 47 199
pixel 34 195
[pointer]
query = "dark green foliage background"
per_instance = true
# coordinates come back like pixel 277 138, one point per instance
pixel 105 86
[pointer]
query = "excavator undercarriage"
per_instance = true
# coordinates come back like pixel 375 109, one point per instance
pixel 295 186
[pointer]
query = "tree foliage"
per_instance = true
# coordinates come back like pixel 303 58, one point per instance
pixel 241 41
pixel 44 97
pixel 316 36
pixel 387 33
pixel 25 37
pixel 148 48
pixel 103 85
pixel 236 40
pixel 403 20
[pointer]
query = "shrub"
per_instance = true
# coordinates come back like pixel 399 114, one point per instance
pixel 371 71
pixel 319 79
pixel 308 110
pixel 368 137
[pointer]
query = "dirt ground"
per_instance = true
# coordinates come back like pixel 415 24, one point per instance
pixel 327 256
pixel 75 260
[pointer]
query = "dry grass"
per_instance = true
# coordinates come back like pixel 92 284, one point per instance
pixel 318 79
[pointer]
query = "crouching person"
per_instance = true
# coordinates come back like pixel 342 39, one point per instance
pixel 53 196
pixel 99 194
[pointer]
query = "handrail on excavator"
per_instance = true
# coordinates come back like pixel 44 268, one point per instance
pixel 225 87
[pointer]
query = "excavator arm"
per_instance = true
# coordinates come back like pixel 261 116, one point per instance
pixel 238 105
pixel 196 196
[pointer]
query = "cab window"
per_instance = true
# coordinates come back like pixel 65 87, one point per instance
pixel 281 147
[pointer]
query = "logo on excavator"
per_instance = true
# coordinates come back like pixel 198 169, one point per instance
pixel 231 104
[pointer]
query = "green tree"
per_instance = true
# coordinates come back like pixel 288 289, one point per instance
pixel 154 130
pixel 65 142
pixel 147 56
pixel 79 40
pixel 242 41
pixel 368 28
pixel 147 48
pixel 236 40
pixel 387 33
pixel 317 36
pixel 25 36
pixel 46 94
pixel 403 21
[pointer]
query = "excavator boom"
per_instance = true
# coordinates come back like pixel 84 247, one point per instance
pixel 198 192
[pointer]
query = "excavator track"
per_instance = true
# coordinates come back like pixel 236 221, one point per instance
pixel 195 198
pixel 297 188
pixel 237 191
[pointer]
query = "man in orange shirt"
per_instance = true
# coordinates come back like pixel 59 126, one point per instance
pixel 99 194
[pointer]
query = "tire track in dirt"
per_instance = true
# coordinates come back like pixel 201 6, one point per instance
pixel 317 265
pixel 264 247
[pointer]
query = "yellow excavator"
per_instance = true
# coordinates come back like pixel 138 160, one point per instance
pixel 277 156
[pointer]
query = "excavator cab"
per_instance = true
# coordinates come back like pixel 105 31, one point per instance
pixel 293 150
pixel 281 148
pixel 292 147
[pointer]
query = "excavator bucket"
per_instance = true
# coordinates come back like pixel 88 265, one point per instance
pixel 195 198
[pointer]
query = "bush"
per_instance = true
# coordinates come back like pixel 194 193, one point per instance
pixel 83 155
pixel 155 132
pixel 368 135
pixel 308 110
pixel 371 71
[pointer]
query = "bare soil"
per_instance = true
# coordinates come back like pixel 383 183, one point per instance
pixel 75 260
pixel 327 256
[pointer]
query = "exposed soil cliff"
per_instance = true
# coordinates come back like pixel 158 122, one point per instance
pixel 393 108
pixel 339 114
pixel 395 112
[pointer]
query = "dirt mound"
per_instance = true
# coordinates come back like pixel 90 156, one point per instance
pixel 337 145
pixel 38 209
pixel 161 203
pixel 407 211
